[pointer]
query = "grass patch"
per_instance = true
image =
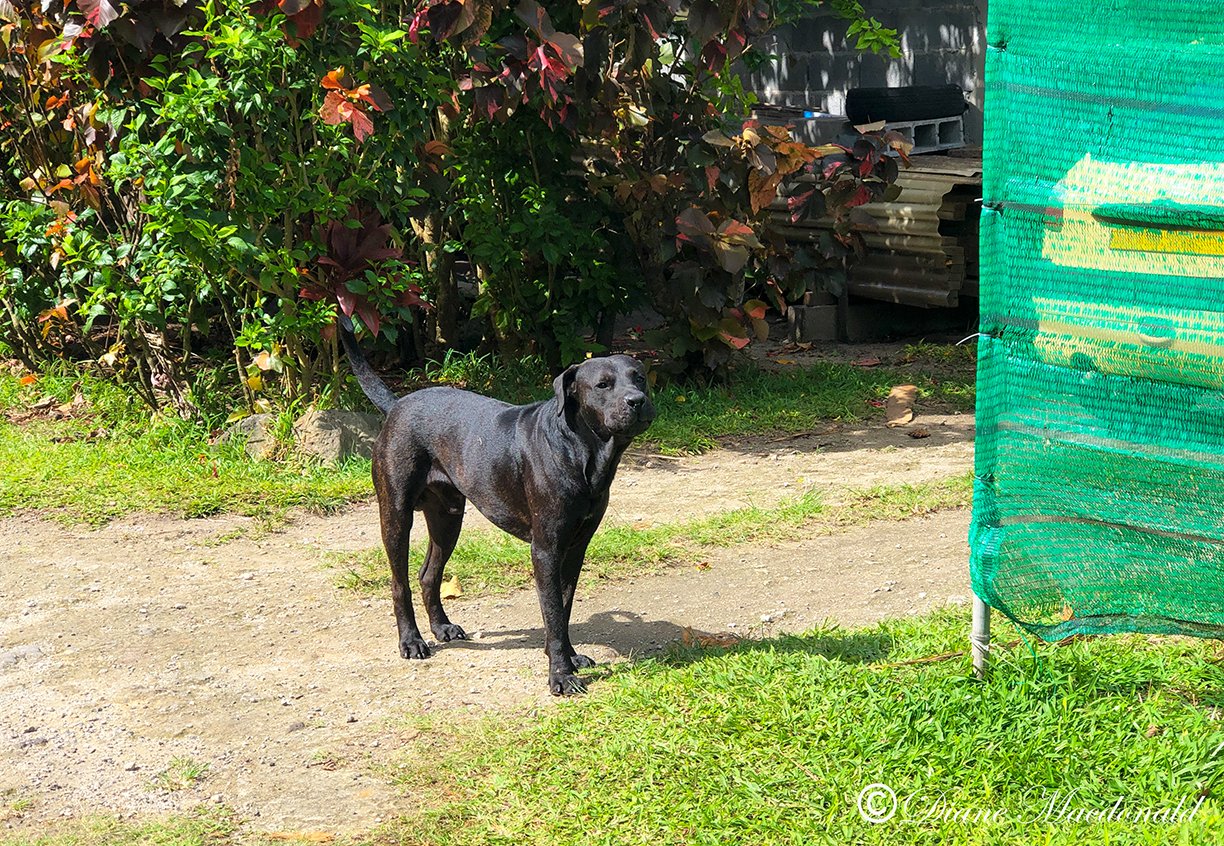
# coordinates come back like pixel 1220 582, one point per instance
pixel 110 457
pixel 494 562
pixel 771 742
pixel 114 459
pixel 203 827
pixel 181 774
pixel 782 402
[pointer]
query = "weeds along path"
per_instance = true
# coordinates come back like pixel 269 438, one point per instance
pixel 163 646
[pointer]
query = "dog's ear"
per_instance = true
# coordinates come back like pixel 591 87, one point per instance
pixel 562 385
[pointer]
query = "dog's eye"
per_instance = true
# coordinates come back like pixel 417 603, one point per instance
pixel 604 385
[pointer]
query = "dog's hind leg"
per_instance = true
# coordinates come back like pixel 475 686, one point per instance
pixel 444 517
pixel 398 485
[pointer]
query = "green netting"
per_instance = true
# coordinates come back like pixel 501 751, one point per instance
pixel 1099 494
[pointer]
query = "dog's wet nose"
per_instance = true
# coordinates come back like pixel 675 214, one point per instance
pixel 635 401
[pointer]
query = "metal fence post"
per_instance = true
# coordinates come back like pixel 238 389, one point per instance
pixel 979 638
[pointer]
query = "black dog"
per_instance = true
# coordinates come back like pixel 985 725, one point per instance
pixel 540 472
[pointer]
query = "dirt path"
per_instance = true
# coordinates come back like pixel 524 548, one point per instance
pixel 154 638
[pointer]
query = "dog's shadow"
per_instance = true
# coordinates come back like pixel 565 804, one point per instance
pixel 633 637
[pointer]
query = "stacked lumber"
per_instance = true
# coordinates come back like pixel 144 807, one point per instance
pixel 923 246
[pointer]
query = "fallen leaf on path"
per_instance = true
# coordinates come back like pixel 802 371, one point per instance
pixel 451 588
pixel 900 405
pixel 784 361
pixel 28 379
pixel 868 361
pixel 920 433
pixel 708 640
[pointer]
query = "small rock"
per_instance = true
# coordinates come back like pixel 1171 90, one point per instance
pixel 767 618
pixel 255 433
pixel 297 726
pixel 352 718
pixel 246 577
pixel 332 436
pixel 131 767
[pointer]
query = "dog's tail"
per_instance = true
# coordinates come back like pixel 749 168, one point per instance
pixel 371 385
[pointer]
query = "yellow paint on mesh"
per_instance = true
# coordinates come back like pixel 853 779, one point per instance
pixel 1083 241
pixel 1171 345
pixel 1167 241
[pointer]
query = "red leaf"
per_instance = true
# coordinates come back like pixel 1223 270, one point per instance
pixel 330 111
pixel 411 298
pixel 714 56
pixel 733 230
pixel 304 23
pixel 693 221
pixel 755 309
pixel 100 13
pixel 347 299
pixel 861 196
pixel 738 343
pixel 293 7
pixel 375 96
pixel 369 316
pixel 363 127
pixel 712 173
pixel 568 48
pixel 534 15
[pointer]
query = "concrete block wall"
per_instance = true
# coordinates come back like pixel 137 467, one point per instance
pixel 942 41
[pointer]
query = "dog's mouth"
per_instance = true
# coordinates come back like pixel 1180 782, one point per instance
pixel 634 423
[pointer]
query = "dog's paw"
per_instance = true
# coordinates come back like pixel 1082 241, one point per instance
pixel 414 648
pixel 582 662
pixel 565 684
pixel 448 631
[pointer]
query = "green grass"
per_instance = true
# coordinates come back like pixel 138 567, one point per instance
pixel 114 458
pixel 494 562
pixel 202 827
pixel 795 399
pixel 180 774
pixel 771 742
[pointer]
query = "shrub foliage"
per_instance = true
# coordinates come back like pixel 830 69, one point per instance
pixel 185 179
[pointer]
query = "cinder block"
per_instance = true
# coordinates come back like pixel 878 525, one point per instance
pixel 812 323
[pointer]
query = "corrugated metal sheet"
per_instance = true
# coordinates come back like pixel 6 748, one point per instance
pixel 922 247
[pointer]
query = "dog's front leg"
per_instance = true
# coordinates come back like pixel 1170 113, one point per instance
pixel 547 562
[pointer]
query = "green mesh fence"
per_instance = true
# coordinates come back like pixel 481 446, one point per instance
pixel 1099 500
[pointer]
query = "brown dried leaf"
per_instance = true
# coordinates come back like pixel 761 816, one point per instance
pixel 451 588
pixel 899 407
pixel 708 640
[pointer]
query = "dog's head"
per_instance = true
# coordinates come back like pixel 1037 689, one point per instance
pixel 609 394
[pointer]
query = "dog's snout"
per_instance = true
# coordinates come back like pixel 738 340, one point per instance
pixel 635 401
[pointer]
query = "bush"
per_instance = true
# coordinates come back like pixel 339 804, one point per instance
pixel 203 184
